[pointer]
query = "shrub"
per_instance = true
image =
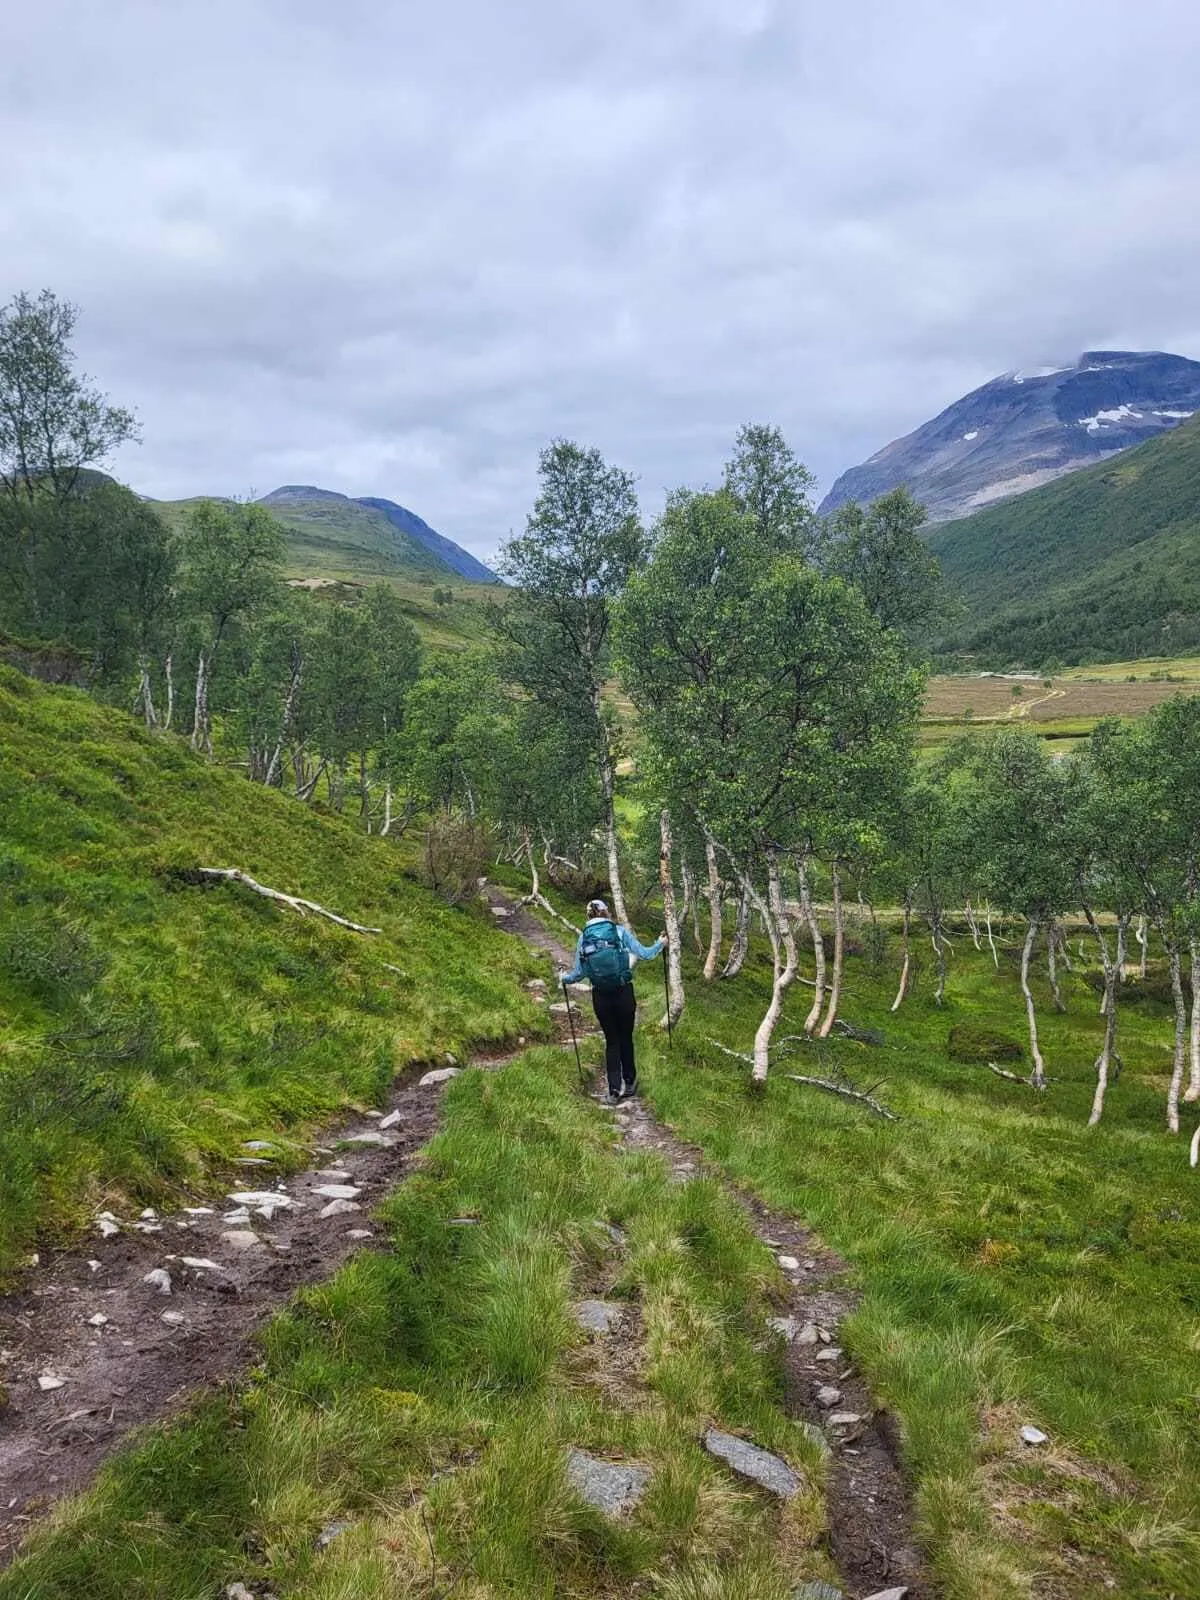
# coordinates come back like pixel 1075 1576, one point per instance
pixel 970 1042
pixel 454 856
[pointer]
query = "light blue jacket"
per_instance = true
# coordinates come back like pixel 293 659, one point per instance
pixel 628 942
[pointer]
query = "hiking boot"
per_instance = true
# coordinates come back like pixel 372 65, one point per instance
pixel 609 1099
pixel 628 1091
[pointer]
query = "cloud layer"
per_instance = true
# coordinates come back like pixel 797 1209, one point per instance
pixel 394 249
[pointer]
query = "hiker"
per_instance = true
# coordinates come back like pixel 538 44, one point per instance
pixel 602 957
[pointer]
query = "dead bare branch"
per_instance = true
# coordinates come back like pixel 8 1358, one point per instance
pixel 236 875
pixel 846 1093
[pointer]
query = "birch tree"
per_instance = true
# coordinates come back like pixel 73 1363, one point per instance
pixel 757 681
pixel 582 541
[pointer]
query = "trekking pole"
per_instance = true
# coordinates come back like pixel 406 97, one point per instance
pixel 574 1040
pixel 667 992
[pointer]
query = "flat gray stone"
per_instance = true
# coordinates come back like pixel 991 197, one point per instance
pixel 614 1487
pixel 338 1191
pixel 332 1531
pixel 831 1352
pixel 597 1316
pixel 392 1120
pixel 817 1590
pixel 889 1594
pixel 339 1208
pixel 1031 1435
pixel 748 1461
pixel 241 1239
pixel 438 1075
pixel 379 1140
pixel 827 1395
pixel 788 1263
pixel 844 1419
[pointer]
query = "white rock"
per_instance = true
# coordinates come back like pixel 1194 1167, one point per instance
pixel 260 1197
pixel 257 1144
pixel 890 1594
pixel 831 1352
pixel 376 1114
pixel 159 1278
pixel 172 1318
pixel 237 1591
pixel 94 1266
pixel 338 1191
pixel 269 1207
pixel 241 1239
pixel 49 1380
pixel 788 1263
pixel 107 1227
pixel 1034 1435
pixel 239 1214
pixel 202 1264
pixel 827 1395
pixel 359 1233
pixel 335 1174
pixel 440 1075
pixel 808 1334
pixel 97 1320
pixel 149 1214
pixel 372 1138
pixel 199 1211
pixel 340 1208
pixel 392 1120
pixel 844 1419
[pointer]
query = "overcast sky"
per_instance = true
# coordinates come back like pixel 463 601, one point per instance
pixel 393 248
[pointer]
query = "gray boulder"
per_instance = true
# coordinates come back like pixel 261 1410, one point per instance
pixel 749 1461
pixel 613 1487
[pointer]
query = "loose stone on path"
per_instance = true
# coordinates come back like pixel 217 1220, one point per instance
pixel 597 1316
pixel 439 1075
pixel 613 1487
pixel 749 1461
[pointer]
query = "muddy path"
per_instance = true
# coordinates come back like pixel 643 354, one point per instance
pixel 869 1502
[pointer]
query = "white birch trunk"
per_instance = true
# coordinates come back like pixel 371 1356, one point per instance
pixel 201 735
pixel 285 720
pixel 839 946
pixel 1052 966
pixel 973 925
pixel 714 911
pixel 1181 1023
pixel 169 674
pixel 808 910
pixel 783 951
pixel 1143 938
pixel 1193 1089
pixel 741 938
pixel 904 969
pixel 1122 953
pixel 145 693
pixel 666 878
pixel 991 941
pixel 1104 1060
pixel 1037 1076
pixel 938 940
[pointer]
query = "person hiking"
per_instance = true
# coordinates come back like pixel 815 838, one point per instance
pixel 602 956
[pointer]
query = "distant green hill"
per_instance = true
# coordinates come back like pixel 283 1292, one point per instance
pixel 1099 566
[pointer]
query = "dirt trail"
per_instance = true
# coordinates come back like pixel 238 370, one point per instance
pixel 869 1503
pixel 153 1352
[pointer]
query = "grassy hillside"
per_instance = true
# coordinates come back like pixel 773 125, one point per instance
pixel 337 538
pixel 1098 566
pixel 149 1025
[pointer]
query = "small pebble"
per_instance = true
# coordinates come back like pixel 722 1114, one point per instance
pixel 788 1263
pixel 99 1320
pixel 159 1279
pixel 1034 1435
pixel 48 1381
pixel 827 1395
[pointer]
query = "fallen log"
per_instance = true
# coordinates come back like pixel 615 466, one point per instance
pixel 296 902
pixel 847 1094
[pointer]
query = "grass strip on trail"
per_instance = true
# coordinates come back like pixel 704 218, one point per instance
pixel 427 1396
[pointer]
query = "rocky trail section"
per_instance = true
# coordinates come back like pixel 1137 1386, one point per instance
pixel 156 1308
pixel 869 1503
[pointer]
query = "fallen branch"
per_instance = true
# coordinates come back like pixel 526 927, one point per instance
pixel 236 875
pixel 737 1055
pixel 540 900
pixel 846 1094
pixel 1013 1077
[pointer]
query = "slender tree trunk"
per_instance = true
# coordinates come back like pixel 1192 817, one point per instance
pixel 1193 1087
pixel 607 786
pixel 1052 966
pixel 714 910
pixel 839 947
pixel 309 788
pixel 939 949
pixel 991 941
pixel 973 925
pixel 1108 1049
pixel 666 878
pixel 387 811
pixel 741 937
pixel 169 674
pixel 783 951
pixel 1122 954
pixel 145 693
pixel 809 912
pixel 1142 936
pixel 904 969
pixel 1181 1028
pixel 364 791
pixel 1037 1076
pixel 200 712
pixel 287 716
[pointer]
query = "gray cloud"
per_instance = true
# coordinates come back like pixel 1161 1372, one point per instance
pixel 393 250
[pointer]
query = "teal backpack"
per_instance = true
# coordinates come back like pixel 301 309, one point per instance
pixel 604 959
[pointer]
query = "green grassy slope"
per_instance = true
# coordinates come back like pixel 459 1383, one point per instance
pixel 1100 565
pixel 148 1025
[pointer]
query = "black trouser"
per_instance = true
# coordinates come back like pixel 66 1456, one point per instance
pixel 616 1010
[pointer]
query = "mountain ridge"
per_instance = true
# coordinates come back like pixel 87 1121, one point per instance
pixel 417 544
pixel 1021 430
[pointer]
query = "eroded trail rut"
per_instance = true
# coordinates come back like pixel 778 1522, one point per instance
pixel 94 1347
